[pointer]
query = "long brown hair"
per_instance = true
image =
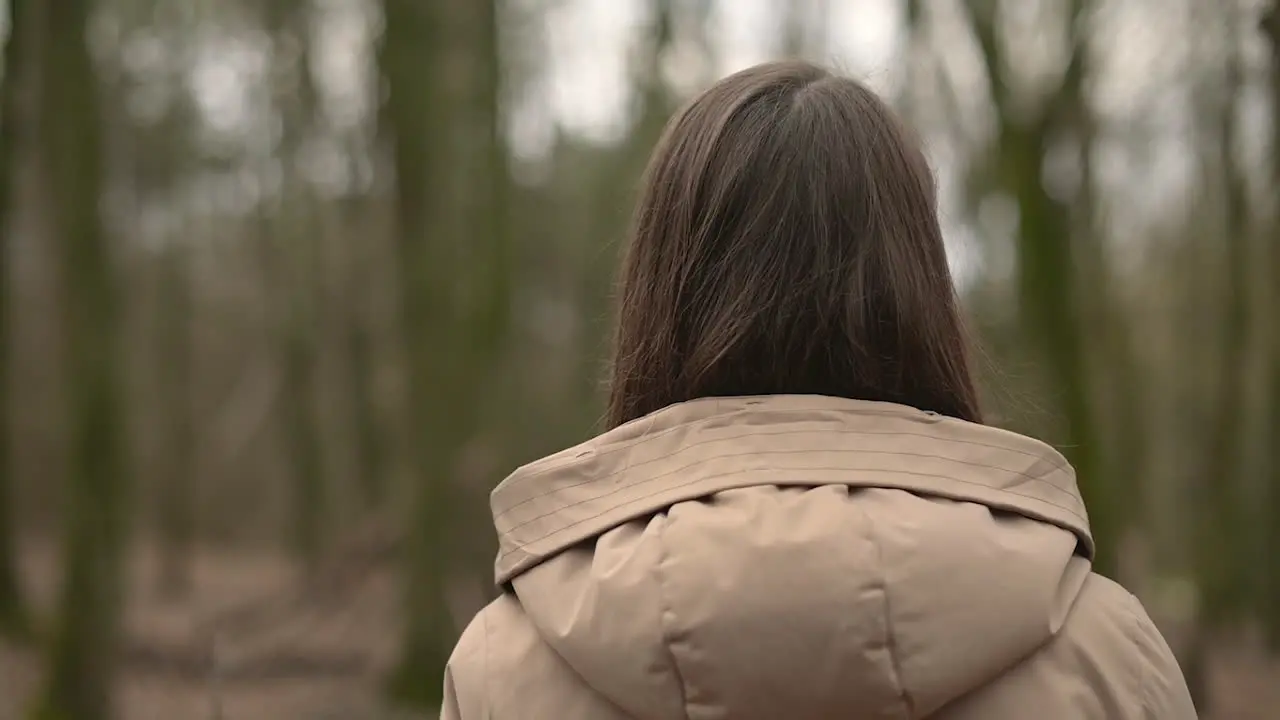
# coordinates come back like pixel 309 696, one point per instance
pixel 786 241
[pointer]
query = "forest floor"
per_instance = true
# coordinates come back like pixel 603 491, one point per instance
pixel 245 646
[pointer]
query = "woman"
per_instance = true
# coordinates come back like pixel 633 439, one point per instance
pixel 797 512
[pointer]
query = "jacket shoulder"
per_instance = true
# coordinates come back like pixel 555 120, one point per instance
pixel 502 668
pixel 1113 624
pixel 465 679
pixel 1107 661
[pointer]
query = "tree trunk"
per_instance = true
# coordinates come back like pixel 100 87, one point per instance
pixel 291 268
pixel 1048 302
pixel 177 489
pixel 285 250
pixel 1271 598
pixel 1049 316
pixel 371 456
pixel 442 67
pixel 82 656
pixel 1222 545
pixel 302 434
pixel 367 426
pixel 14 620
pixel 414 112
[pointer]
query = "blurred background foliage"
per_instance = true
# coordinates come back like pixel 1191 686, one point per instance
pixel 289 285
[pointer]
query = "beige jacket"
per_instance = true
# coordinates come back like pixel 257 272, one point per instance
pixel 797 558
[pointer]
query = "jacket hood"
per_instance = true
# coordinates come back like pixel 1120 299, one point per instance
pixel 793 556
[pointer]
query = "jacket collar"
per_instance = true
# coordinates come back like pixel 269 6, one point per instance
pixel 702 447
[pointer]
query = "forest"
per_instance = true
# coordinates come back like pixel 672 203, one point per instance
pixel 290 285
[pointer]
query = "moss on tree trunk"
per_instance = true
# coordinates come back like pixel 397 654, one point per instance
pixel 82 655
pixel 442 66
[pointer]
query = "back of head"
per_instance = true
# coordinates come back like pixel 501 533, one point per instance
pixel 799 556
pixel 786 241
